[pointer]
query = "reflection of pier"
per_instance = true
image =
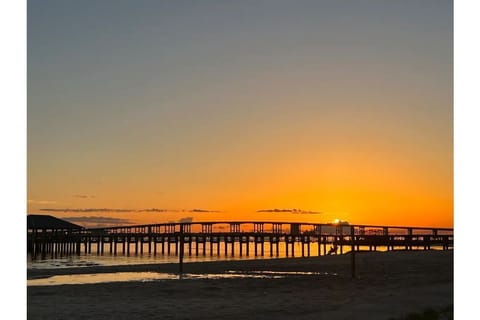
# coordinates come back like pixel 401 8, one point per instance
pixel 225 238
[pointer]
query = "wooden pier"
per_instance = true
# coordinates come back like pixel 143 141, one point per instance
pixel 235 238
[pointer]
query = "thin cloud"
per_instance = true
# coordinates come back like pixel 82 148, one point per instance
pixel 85 210
pixel 41 201
pixel 156 210
pixel 83 196
pixel 294 211
pixel 97 221
pixel 150 210
pixel 203 211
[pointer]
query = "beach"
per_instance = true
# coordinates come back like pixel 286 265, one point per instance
pixel 387 285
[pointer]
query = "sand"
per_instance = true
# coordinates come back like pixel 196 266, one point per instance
pixel 388 285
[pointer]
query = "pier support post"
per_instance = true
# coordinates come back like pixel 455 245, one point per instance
pixel 286 246
pixel 324 239
pixel 211 246
pixel 308 246
pixel 190 245
pixel 180 256
pixel 196 246
pixel 293 246
pixel 303 246
pixel 225 242
pixel 352 239
pixel 240 244
pixel 263 246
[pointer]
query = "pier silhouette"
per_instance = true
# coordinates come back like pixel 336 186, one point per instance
pixel 226 237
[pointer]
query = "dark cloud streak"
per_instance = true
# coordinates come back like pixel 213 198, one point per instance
pixel 156 210
pixel 83 196
pixel 97 220
pixel 294 211
pixel 151 210
pixel 85 210
pixel 203 211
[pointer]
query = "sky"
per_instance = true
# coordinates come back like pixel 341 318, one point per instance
pixel 155 111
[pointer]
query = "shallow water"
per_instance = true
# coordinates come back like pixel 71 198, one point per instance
pixel 156 276
pixel 109 259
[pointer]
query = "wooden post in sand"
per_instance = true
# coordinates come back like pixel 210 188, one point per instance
pixel 352 237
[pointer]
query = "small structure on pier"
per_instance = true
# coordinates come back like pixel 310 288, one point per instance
pixel 37 222
pixel 48 234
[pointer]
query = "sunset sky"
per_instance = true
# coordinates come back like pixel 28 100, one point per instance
pixel 154 111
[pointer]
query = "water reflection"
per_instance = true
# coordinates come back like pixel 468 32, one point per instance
pixel 156 276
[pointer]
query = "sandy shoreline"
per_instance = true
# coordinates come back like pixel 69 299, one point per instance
pixel 389 284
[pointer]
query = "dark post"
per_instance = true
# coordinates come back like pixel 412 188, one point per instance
pixel 293 246
pixel 308 246
pixel 190 245
pixel 196 246
pixel 180 256
pixel 149 239
pixel 286 245
pixel 240 244
pixel 352 237
pixel 303 246
pixel 263 245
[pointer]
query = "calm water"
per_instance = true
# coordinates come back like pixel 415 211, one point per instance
pixel 156 276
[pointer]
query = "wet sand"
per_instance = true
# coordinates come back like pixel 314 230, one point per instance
pixel 388 284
